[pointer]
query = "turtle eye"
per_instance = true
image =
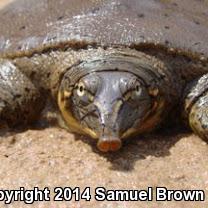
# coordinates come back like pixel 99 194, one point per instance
pixel 138 89
pixel 129 86
pixel 80 89
pixel 82 95
pixel 85 90
pixel 134 92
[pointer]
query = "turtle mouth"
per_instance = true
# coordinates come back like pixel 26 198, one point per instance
pixel 107 144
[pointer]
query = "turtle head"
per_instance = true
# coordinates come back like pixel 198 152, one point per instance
pixel 108 105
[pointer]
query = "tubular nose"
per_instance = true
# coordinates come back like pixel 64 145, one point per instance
pixel 109 144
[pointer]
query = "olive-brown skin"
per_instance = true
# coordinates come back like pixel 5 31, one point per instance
pixel 42 40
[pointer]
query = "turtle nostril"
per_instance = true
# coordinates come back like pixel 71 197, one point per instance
pixel 109 144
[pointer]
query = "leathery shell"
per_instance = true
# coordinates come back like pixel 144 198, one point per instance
pixel 29 26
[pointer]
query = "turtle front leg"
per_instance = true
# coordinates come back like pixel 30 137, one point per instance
pixel 20 101
pixel 196 106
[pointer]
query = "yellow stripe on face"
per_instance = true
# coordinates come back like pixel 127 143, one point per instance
pixel 67 94
pixel 68 117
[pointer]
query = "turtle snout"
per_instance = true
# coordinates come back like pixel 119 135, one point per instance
pixel 106 144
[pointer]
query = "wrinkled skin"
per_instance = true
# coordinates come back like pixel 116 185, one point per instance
pixel 113 97
pixel 119 76
pixel 100 102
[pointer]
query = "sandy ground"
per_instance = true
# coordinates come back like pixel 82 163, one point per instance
pixel 52 158
pixel 4 2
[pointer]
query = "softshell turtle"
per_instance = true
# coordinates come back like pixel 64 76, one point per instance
pixel 114 68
